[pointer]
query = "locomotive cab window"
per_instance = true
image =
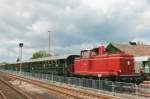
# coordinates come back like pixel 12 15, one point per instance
pixel 94 52
pixel 85 54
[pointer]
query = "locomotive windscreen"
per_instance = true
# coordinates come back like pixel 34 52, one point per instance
pixel 70 59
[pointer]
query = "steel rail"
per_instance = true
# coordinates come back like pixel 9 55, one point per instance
pixel 69 92
pixel 66 91
pixel 2 95
pixel 14 89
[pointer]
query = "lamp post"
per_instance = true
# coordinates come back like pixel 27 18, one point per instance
pixel 49 42
pixel 20 46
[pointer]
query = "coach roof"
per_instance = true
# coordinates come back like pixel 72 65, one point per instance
pixel 42 59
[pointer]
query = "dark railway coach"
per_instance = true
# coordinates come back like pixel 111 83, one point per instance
pixel 49 65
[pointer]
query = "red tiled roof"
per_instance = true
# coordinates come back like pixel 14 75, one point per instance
pixel 136 50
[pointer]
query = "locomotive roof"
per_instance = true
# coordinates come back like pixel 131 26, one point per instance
pixel 43 59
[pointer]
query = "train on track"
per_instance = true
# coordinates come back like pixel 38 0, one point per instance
pixel 95 63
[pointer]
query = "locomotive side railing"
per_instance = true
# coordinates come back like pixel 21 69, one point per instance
pixel 115 88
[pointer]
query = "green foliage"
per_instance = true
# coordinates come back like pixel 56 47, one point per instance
pixel 40 54
pixel 3 63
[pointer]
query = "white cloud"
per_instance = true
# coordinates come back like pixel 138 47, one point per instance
pixel 102 5
pixel 142 40
pixel 75 24
pixel 40 27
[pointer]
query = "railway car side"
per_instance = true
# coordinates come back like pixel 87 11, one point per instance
pixel 50 65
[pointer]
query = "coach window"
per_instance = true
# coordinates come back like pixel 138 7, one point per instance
pixel 56 63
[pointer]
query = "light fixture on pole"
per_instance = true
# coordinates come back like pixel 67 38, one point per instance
pixel 20 46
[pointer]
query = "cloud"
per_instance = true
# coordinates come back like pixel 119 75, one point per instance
pixel 142 40
pixel 40 27
pixel 75 24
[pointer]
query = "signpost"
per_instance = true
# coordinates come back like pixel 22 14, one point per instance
pixel 20 45
pixel 100 83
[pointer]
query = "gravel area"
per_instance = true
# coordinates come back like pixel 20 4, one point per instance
pixel 9 92
pixel 34 91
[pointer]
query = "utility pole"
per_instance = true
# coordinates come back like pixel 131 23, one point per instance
pixel 53 44
pixel 49 42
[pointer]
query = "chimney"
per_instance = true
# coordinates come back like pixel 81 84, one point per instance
pixel 132 43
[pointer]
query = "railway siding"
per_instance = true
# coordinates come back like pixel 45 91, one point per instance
pixel 2 95
pixel 68 91
pixel 8 91
pixel 77 91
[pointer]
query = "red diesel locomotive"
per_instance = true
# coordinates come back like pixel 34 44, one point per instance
pixel 98 63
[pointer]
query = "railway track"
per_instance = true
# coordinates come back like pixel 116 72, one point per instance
pixel 69 92
pixel 2 95
pixel 144 89
pixel 8 91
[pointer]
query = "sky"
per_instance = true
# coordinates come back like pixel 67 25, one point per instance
pixel 74 25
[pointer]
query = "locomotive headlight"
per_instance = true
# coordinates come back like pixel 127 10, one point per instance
pixel 119 71
pixel 128 63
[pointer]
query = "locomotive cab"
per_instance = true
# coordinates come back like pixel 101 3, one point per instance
pixel 87 63
pixel 92 52
pixel 85 54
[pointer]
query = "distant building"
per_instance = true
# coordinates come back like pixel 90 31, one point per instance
pixel 136 50
pixel 140 51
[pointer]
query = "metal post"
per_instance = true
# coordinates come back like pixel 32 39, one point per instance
pixel 99 76
pixel 20 45
pixel 53 41
pixel 100 83
pixel 52 76
pixel 20 59
pixel 113 88
pixel 49 42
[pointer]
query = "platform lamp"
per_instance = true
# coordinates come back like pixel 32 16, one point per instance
pixel 20 46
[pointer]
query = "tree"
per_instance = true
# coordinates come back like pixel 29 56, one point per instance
pixel 40 54
pixel 3 63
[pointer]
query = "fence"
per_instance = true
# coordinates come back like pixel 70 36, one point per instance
pixel 115 88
